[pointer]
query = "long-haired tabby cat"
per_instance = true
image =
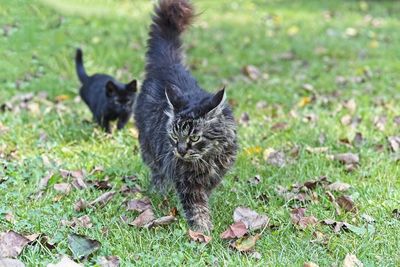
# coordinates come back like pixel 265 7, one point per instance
pixel 106 98
pixel 187 135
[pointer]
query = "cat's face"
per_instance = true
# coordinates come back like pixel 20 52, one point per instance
pixel 196 131
pixel 121 96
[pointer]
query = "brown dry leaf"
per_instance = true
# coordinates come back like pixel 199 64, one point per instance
pixel 319 238
pixel 396 214
pixel 255 180
pixel 43 184
pixel 98 168
pixel 80 205
pixel 63 188
pixel 12 244
pixel 102 200
pixel 346 120
pixel 310 264
pixel 317 150
pixel 350 105
pixel 334 203
pixel 347 158
pixel 338 187
pixel 358 139
pixel 244 119
pixel 276 158
pixel 162 221
pixel 250 218
pixel 251 72
pixel 394 142
pixel 102 185
pixel 81 246
pixel 351 261
pixel 235 230
pixel 83 221
pixel 6 262
pixel 346 203
pixel 279 126
pixel 300 220
pixel 77 178
pixel 396 120
pixel 143 219
pixel 139 205
pixel 380 122
pixel 9 217
pixel 245 244
pixel 199 237
pixel 263 104
pixel 109 261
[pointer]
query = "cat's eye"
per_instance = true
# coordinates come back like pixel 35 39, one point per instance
pixel 194 138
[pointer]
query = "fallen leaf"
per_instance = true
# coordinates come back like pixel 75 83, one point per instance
pixel 102 200
pixel 139 205
pixel 256 255
pixel 279 126
pixel 394 142
pixel 396 120
pixel 102 185
pixel 80 205
pixel 82 246
pixel 334 203
pixel 289 55
pixel 380 122
pixel 97 169
pixel 346 120
pixel 250 218
pixel 346 203
pixel 367 218
pixel 304 101
pixel 317 150
pixel 310 264
pixel 251 72
pixel 276 158
pixel 65 262
pixel 396 214
pixel 144 218
pixel 245 244
pixel 12 244
pixel 338 187
pixel 358 139
pixel 9 217
pixel 347 158
pixel 83 221
pixel 61 98
pixel 63 188
pixel 351 261
pixel 350 105
pixel 263 104
pixel 351 32
pixel 199 237
pixel 319 238
pixel 6 262
pixel 235 230
pixel 162 221
pixel 244 119
pixel 255 180
pixel 300 220
pixel 43 184
pixel 109 261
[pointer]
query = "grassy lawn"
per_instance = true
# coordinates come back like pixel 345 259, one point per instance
pixel 312 56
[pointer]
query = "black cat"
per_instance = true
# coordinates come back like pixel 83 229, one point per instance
pixel 107 98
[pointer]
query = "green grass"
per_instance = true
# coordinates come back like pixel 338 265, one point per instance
pixel 37 55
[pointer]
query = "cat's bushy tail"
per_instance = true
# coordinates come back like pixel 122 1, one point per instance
pixel 171 18
pixel 80 69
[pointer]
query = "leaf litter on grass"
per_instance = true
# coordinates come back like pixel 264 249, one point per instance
pixel 82 246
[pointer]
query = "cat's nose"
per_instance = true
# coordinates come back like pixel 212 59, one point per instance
pixel 181 149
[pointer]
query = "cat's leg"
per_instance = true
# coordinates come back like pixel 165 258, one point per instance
pixel 194 200
pixel 123 120
pixel 105 124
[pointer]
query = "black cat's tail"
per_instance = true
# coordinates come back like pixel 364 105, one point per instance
pixel 171 18
pixel 80 69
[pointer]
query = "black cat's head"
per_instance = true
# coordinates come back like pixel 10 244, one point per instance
pixel 198 126
pixel 121 96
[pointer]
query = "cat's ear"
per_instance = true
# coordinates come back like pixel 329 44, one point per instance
pixel 217 103
pixel 174 97
pixel 132 86
pixel 111 88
